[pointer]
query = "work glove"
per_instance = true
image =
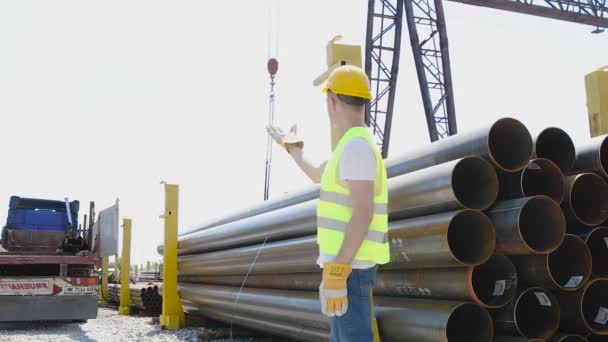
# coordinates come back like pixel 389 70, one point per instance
pixel 285 139
pixel 332 292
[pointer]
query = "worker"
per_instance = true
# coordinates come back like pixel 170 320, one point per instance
pixel 352 221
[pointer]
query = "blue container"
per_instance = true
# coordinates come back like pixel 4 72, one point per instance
pixel 40 214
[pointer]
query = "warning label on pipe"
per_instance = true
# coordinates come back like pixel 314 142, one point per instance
pixel 602 316
pixel 574 281
pixel 543 299
pixel 499 288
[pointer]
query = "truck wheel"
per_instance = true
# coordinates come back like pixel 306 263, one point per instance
pixel 80 321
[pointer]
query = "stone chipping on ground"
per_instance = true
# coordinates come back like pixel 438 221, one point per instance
pixel 108 327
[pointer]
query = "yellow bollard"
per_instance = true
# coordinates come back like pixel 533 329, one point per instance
pixel 172 317
pixel 125 297
pixel 105 293
pixel 596 85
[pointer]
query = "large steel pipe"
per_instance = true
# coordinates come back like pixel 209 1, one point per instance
pixel 507 144
pixel 469 182
pixel 585 311
pixel 292 330
pixel 539 177
pixel 466 183
pixel 491 284
pixel 556 145
pixel 289 222
pixel 453 239
pixel 597 338
pixel 592 156
pixel 566 268
pixel 308 194
pixel 399 319
pixel 586 201
pixel 531 225
pixel 567 338
pixel 423 320
pixel 597 242
pixel 502 338
pixel 534 314
pixel 294 255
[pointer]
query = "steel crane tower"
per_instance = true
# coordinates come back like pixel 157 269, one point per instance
pixel 428 38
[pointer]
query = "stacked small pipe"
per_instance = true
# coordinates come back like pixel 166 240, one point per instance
pixel 456 245
pixel 144 297
pixel 152 276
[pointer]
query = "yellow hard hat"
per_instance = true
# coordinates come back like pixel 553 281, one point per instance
pixel 349 80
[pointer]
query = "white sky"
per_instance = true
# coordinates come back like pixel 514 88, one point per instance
pixel 101 100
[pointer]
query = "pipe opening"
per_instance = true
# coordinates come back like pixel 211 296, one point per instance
pixel 469 323
pixel 543 177
pixel 495 281
pixel 589 199
pixel 595 306
pixel 464 225
pixel 597 242
pixel 537 313
pixel 475 183
pixel 542 224
pixel 510 144
pixel 603 154
pixel 555 144
pixel 570 264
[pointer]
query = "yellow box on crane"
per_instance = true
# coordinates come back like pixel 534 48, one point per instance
pixel 339 54
pixel 596 84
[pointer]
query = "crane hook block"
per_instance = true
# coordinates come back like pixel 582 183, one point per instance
pixel 273 66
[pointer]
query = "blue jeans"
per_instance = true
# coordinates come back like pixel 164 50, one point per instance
pixel 356 324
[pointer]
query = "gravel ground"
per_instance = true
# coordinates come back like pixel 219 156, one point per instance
pixel 108 327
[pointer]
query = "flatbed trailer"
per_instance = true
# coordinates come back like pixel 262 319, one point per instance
pixel 41 287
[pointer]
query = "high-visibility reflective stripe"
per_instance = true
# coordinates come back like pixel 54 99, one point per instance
pixel 334 197
pixel 331 224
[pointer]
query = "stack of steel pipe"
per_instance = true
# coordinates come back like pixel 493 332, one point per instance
pixel 456 238
pixel 144 297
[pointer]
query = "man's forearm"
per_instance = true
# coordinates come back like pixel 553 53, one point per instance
pixel 313 172
pixel 354 234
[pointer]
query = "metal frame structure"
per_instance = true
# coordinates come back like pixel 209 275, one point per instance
pixel 428 37
pixel 382 48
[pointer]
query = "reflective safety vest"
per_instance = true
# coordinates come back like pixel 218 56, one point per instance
pixel 334 210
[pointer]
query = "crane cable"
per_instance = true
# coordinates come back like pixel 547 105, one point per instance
pixel 272 67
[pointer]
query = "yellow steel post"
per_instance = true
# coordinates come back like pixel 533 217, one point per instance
pixel 596 84
pixel 105 293
pixel 172 317
pixel 125 298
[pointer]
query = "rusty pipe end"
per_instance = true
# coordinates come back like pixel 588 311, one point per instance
pixel 510 144
pixel 597 242
pixel 543 177
pixel 464 225
pixel 475 183
pixel 494 283
pixel 469 322
pixel 594 306
pixel 570 265
pixel 536 313
pixel 556 145
pixel 541 224
pixel 587 198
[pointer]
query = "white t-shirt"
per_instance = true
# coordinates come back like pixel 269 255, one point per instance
pixel 357 162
